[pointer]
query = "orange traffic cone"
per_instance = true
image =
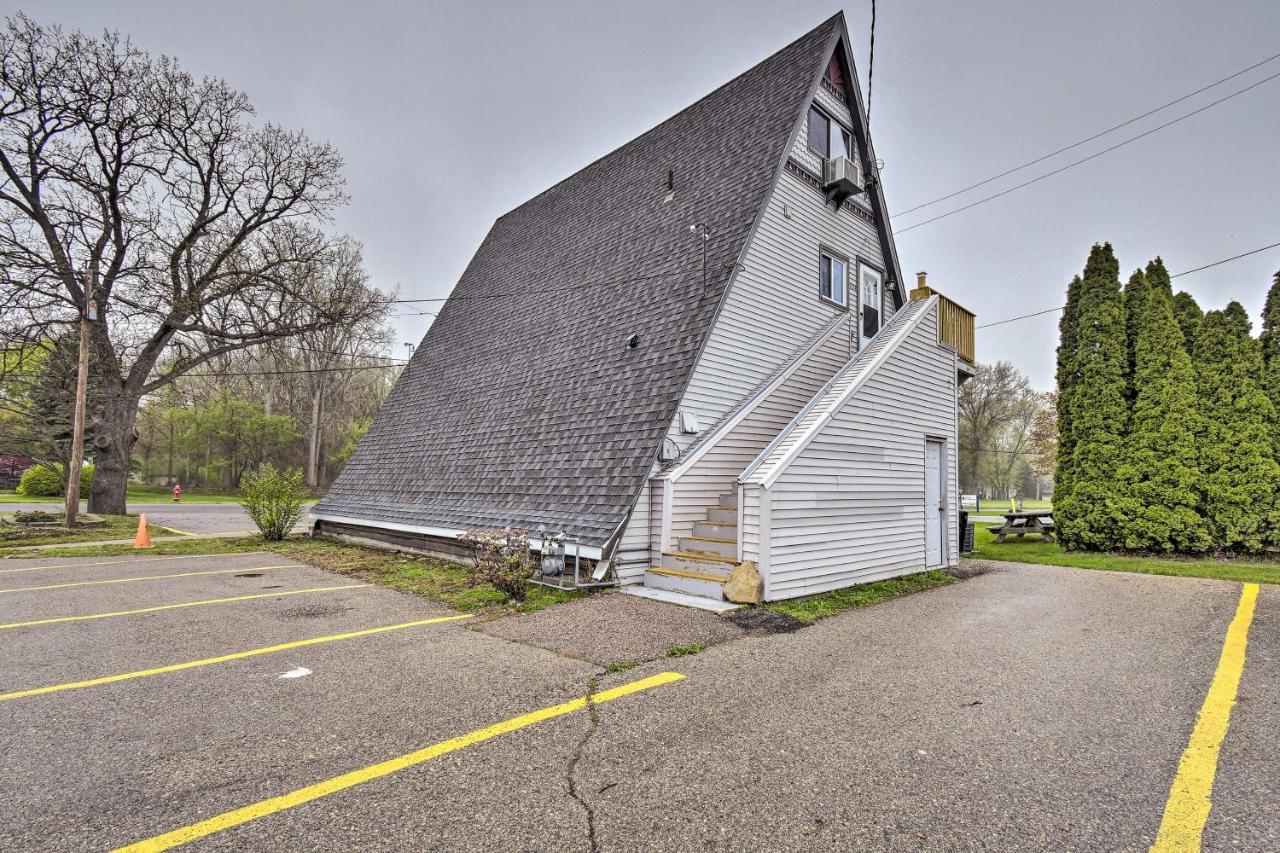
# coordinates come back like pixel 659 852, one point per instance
pixel 143 539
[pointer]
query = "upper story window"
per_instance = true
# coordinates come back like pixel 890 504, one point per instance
pixel 833 278
pixel 828 137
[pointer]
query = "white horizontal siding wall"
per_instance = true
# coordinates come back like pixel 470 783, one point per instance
pixel 716 472
pixel 633 548
pixel 773 305
pixel 849 507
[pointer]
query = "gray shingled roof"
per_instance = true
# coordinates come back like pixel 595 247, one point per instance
pixel 524 405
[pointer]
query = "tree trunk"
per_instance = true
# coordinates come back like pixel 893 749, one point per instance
pixel 114 434
pixel 169 468
pixel 313 440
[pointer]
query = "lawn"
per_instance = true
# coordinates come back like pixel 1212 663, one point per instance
pixel 437 580
pixel 999 506
pixel 136 494
pixel 1033 550
pixel 117 527
pixel 816 607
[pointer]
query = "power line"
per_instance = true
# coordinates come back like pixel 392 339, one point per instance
pixel 537 291
pixel 1175 275
pixel 1087 139
pixel 1093 156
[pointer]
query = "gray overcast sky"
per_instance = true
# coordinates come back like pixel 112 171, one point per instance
pixel 450 114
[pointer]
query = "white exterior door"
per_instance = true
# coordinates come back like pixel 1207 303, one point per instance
pixel 869 285
pixel 934 506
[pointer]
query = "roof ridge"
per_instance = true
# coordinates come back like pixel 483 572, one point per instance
pixel 832 21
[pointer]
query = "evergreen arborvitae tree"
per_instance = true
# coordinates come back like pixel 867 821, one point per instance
pixel 1161 468
pixel 1270 341
pixel 1091 516
pixel 1066 353
pixel 1236 436
pixel 1189 315
pixel 1137 294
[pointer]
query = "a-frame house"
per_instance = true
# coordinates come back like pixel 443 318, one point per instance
pixel 698 350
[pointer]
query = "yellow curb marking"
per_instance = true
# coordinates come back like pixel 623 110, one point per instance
pixel 265 650
pixel 235 817
pixel 147 559
pixel 146 578
pixel 1189 804
pixel 176 606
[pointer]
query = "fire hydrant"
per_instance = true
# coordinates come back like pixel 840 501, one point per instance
pixel 177 492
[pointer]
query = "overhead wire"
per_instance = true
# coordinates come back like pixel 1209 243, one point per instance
pixel 1175 275
pixel 1084 160
pixel 1087 139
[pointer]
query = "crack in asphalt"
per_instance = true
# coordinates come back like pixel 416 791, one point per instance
pixel 571 768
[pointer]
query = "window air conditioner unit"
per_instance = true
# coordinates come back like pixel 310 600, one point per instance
pixel 842 176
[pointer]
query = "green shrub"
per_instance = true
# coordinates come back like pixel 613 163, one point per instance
pixel 45 480
pixel 274 499
pixel 503 559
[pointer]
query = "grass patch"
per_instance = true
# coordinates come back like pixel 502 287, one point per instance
pixel 117 527
pixel 436 580
pixel 681 651
pixel 816 607
pixel 177 547
pixel 1033 550
pixel 136 493
pixel 622 665
pixel 997 506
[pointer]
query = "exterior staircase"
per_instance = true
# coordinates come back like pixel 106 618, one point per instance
pixel 702 562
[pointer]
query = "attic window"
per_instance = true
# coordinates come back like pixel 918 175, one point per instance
pixel 828 137
pixel 834 75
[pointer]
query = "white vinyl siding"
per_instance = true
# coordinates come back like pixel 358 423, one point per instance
pixel 848 507
pixel 773 306
pixel 716 472
pixel 633 549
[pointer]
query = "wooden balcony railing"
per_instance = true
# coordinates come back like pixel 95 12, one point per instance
pixel 955 322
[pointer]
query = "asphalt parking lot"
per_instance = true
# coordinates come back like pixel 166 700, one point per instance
pixel 246 702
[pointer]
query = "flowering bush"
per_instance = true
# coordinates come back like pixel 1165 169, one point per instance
pixel 503 559
pixel 274 499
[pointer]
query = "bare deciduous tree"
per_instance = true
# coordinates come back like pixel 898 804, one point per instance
pixel 126 181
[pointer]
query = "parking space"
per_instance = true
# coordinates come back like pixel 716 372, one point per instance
pixel 1016 710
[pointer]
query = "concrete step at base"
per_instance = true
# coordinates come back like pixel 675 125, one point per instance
pixel 680 598
pixel 689 583
pixel 721 514
pixel 716 530
pixel 729 501
pixel 714 546
pixel 702 563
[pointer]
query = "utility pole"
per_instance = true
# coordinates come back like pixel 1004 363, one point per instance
pixel 88 312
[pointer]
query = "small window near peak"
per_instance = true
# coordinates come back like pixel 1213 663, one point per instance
pixel 834 75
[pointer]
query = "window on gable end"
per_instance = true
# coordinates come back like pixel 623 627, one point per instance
pixel 833 278
pixel 819 132
pixel 834 75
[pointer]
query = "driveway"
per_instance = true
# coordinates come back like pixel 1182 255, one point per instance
pixel 1028 708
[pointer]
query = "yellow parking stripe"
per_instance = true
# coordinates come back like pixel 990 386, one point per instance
pixel 1189 802
pixel 235 817
pixel 131 560
pixel 146 578
pixel 176 606
pixel 265 650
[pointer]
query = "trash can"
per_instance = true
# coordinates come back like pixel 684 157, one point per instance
pixel 966 533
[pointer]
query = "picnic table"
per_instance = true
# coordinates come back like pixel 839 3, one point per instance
pixel 1022 522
